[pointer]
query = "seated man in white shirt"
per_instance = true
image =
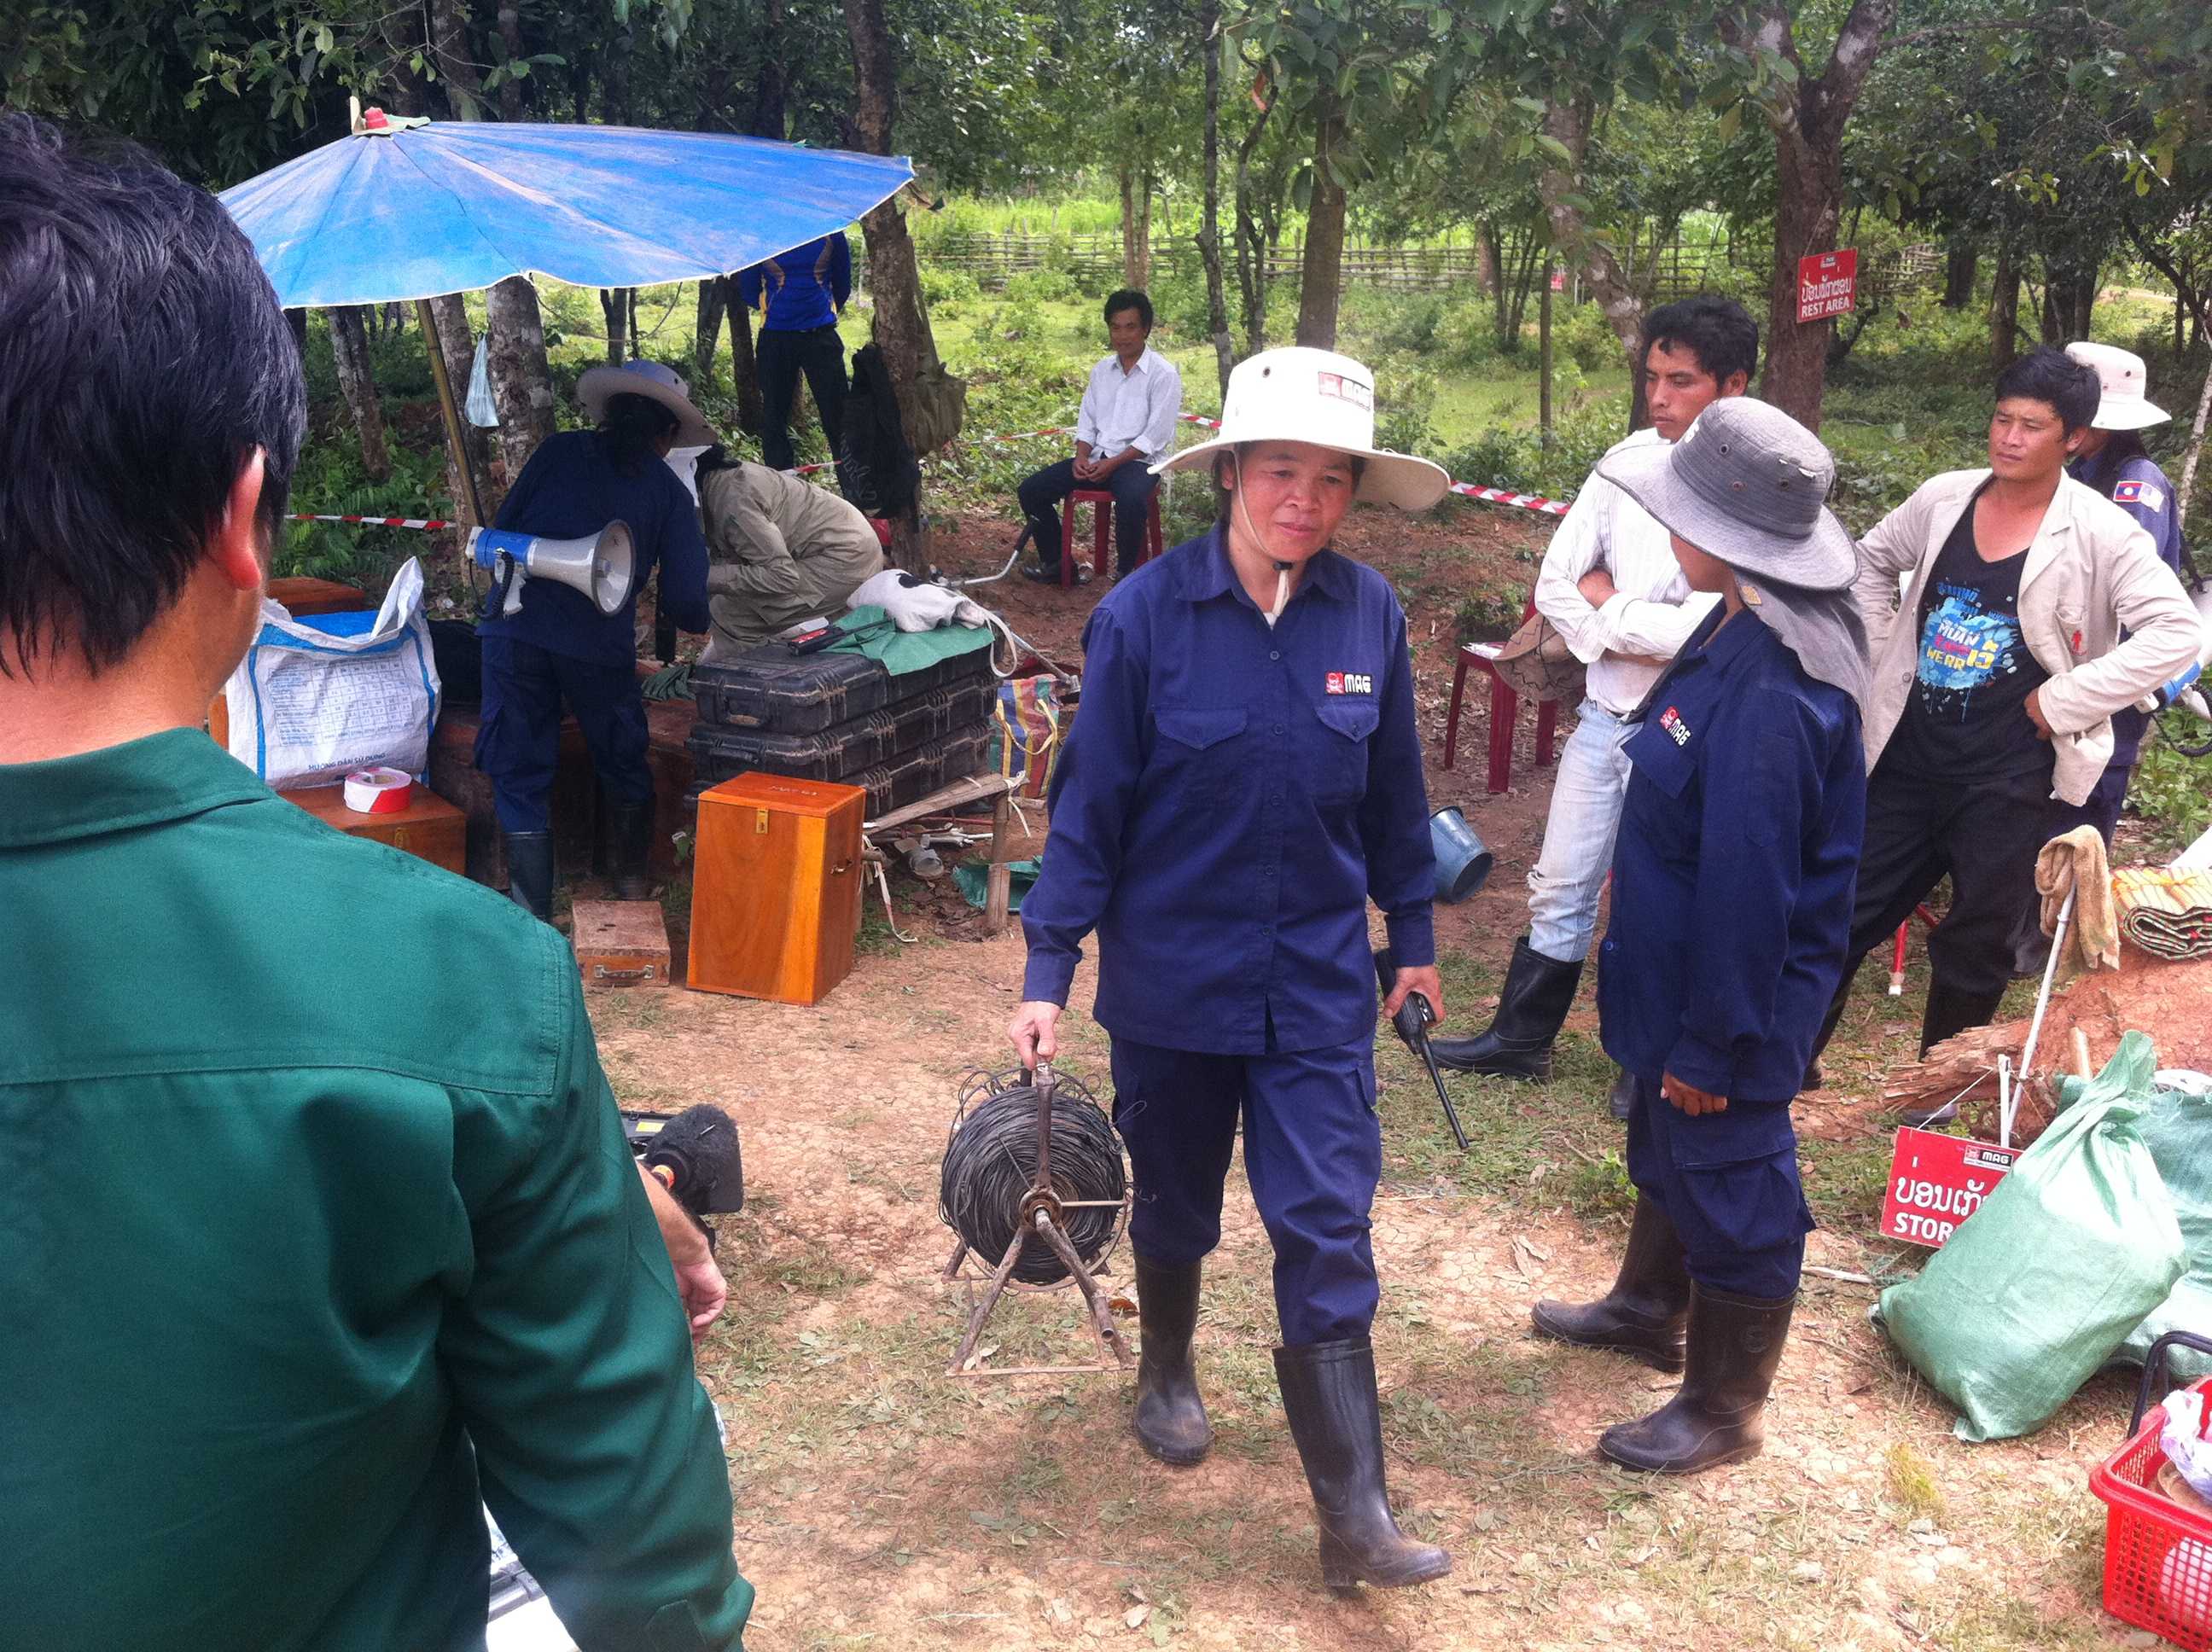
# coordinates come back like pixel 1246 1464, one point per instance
pixel 1126 424
pixel 1611 585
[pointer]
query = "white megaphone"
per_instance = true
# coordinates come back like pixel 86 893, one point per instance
pixel 599 567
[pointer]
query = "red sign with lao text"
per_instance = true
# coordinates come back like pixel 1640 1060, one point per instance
pixel 1828 284
pixel 1936 1182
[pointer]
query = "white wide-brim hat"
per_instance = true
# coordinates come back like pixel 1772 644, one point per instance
pixel 1318 396
pixel 655 383
pixel 2120 375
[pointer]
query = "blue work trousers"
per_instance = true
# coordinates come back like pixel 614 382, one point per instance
pixel 518 741
pixel 1132 486
pixel 1313 1151
pixel 1728 1183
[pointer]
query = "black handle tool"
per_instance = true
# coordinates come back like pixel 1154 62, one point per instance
pixel 1414 1018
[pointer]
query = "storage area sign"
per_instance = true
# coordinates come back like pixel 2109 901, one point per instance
pixel 1936 1182
pixel 1828 284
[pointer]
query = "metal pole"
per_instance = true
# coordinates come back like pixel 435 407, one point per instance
pixel 455 440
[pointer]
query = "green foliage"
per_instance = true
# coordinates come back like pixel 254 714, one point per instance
pixel 2172 792
pixel 1600 1187
pixel 1046 286
pixel 948 291
pixel 328 478
pixel 1580 335
pixel 1517 456
pixel 1488 616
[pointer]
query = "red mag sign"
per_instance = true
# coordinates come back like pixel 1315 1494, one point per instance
pixel 1936 1182
pixel 1827 283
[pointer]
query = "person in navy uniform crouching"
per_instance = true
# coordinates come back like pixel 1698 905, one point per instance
pixel 1244 775
pixel 1732 886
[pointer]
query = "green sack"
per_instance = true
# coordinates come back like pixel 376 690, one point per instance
pixel 974 878
pixel 2176 1128
pixel 2062 1261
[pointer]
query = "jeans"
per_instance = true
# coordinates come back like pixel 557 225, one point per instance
pixel 1132 486
pixel 780 357
pixel 1578 835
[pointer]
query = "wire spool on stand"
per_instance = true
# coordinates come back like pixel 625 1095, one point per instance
pixel 1033 1175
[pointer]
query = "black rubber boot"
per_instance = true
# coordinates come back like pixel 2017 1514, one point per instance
pixel 1644 1314
pixel 1718 1416
pixel 1622 1096
pixel 530 872
pixel 1336 1417
pixel 1171 1418
pixel 1950 1010
pixel 629 825
pixel 1532 1008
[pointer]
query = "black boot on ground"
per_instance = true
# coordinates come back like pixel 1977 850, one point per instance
pixel 1171 1418
pixel 1336 1417
pixel 1531 1008
pixel 1644 1314
pixel 1622 1096
pixel 630 826
pixel 1950 1010
pixel 530 872
pixel 1718 1416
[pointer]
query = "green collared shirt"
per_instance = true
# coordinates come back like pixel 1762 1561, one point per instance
pixel 316 1225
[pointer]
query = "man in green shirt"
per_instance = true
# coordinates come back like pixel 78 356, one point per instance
pixel 317 1231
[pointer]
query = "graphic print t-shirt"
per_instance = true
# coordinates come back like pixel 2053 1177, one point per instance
pixel 1967 718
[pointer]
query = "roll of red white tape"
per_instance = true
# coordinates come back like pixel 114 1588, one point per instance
pixel 378 791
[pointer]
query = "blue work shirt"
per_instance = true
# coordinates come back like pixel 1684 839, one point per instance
pixel 1735 867
pixel 1230 798
pixel 2138 487
pixel 806 287
pixel 570 489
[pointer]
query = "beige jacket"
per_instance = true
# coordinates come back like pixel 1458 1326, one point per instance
pixel 2091 572
pixel 782 550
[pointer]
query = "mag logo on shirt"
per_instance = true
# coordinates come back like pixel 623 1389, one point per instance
pixel 1349 683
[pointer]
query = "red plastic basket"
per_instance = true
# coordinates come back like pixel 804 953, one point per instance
pixel 2158 1555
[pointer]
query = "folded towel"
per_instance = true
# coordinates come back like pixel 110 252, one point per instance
pixel 2166 911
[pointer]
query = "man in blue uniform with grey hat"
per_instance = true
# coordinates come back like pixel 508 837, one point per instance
pixel 1732 885
pixel 1244 778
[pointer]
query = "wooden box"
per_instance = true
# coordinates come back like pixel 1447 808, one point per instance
pixel 775 888
pixel 621 943
pixel 429 826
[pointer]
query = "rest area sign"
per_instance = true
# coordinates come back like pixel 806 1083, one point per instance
pixel 1828 284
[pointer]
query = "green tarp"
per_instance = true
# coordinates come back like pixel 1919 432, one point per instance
pixel 869 631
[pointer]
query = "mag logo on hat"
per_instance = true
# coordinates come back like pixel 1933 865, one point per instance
pixel 1349 390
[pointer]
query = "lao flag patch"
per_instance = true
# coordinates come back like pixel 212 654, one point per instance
pixel 2148 495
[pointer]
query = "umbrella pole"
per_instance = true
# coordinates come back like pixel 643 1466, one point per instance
pixel 455 440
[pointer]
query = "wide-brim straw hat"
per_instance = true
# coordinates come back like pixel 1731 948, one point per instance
pixel 655 383
pixel 2125 402
pixel 1747 484
pixel 1327 400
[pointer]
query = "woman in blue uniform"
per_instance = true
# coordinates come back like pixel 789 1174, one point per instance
pixel 2112 459
pixel 1732 884
pixel 559 649
pixel 1244 775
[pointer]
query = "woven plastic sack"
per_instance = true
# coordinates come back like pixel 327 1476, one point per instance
pixel 2176 1127
pixel 2047 1279
pixel 1025 732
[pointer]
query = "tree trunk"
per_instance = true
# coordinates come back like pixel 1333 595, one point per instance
pixel 1807 122
pixel 1321 277
pixel 358 383
pixel 1209 233
pixel 707 335
pixel 2004 309
pixel 773 83
pixel 1560 185
pixel 901 326
pixel 614 307
pixel 1132 245
pixel 744 367
pixel 521 380
pixel 1251 248
pixel 1961 260
pixel 1486 256
pixel 510 39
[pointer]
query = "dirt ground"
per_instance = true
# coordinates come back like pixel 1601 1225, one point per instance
pixel 880 1503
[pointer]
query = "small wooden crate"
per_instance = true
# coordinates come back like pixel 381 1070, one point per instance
pixel 429 827
pixel 775 888
pixel 621 943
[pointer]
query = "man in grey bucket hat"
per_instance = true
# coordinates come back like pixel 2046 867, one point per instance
pixel 1732 884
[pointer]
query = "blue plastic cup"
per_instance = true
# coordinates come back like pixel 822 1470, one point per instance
pixel 1463 860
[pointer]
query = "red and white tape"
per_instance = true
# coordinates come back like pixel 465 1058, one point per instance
pixel 1466 489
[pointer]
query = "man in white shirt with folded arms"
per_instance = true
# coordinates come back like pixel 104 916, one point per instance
pixel 1611 585
pixel 1126 425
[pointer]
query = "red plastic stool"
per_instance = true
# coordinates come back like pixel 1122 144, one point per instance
pixel 1504 705
pixel 1897 953
pixel 883 527
pixel 1101 500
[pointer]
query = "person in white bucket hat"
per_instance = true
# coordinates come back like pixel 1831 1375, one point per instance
pixel 1244 777
pixel 2111 458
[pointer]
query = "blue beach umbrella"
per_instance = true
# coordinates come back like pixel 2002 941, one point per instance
pixel 407 209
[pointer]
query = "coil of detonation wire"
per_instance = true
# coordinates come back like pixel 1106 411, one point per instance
pixel 990 1163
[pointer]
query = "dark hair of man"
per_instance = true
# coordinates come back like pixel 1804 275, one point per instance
pixel 633 426
pixel 2046 374
pixel 1231 461
pixel 1718 331
pixel 142 359
pixel 1128 298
